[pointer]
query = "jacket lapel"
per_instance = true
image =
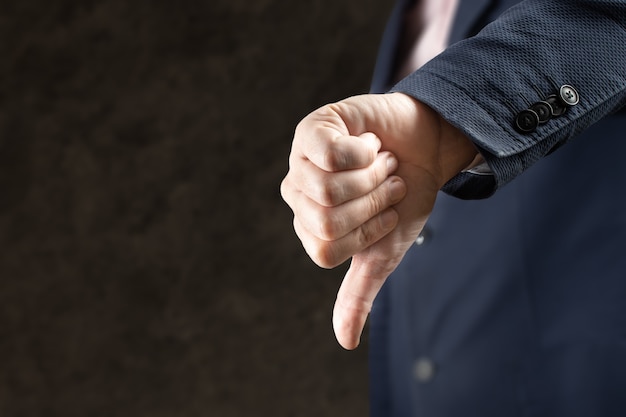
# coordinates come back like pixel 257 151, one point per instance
pixel 386 60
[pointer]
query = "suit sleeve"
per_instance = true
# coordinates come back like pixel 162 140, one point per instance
pixel 492 86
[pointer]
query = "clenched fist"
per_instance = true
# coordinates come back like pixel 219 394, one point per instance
pixel 363 178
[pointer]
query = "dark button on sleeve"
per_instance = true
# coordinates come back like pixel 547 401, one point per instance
pixel 543 110
pixel 527 121
pixel 558 108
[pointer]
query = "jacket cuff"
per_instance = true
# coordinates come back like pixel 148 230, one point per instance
pixel 489 124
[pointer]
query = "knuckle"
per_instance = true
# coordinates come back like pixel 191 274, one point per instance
pixel 329 225
pixel 329 192
pixel 366 235
pixel 370 232
pixel 376 175
pixel 284 189
pixel 323 254
pixel 334 159
pixel 376 202
pixel 326 228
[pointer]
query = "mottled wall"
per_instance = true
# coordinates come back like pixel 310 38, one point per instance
pixel 147 264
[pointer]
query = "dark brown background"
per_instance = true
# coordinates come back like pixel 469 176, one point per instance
pixel 147 264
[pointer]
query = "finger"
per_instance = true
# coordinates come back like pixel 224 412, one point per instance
pixel 333 223
pixel 331 189
pixel 361 284
pixel 331 254
pixel 370 268
pixel 288 191
pixel 331 151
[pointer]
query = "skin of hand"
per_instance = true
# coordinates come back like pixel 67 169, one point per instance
pixel 364 174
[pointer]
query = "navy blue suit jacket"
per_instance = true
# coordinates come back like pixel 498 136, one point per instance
pixel 515 305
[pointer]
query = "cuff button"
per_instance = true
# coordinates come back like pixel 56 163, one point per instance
pixel 558 108
pixel 527 121
pixel 569 95
pixel 543 110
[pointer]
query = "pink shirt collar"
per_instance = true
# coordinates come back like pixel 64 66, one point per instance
pixel 429 23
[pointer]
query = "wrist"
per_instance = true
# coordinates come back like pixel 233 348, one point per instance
pixel 450 151
pixel 457 152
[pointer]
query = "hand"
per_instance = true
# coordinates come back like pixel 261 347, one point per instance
pixel 364 175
